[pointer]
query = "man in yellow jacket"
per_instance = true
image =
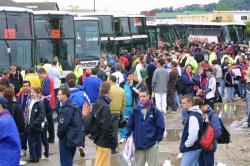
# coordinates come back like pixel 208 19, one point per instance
pixel 117 105
pixel 33 78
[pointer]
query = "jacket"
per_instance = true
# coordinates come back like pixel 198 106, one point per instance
pixel 78 97
pixel 189 84
pixel 17 114
pixel 36 118
pixel 106 136
pixel 91 86
pixel 214 119
pixel 192 131
pixel 48 92
pixel 70 124
pixel 33 79
pixel 148 131
pixel 248 74
pixel 160 80
pixel 229 79
pixel 17 80
pixel 117 95
pixel 10 144
pixel 173 77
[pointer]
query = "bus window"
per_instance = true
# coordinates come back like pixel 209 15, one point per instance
pixel 121 26
pixel 137 25
pixel 232 33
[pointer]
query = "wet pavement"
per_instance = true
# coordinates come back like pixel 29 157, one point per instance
pixel 231 113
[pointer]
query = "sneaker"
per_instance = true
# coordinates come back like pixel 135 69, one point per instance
pixel 82 154
pixel 22 163
pixel 122 140
pixel 23 153
pixel 44 158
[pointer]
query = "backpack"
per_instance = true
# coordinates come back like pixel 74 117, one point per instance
pixel 90 123
pixel 225 135
pixel 207 137
pixel 78 98
pixel 180 87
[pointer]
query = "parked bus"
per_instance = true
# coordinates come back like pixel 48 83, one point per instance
pixel 152 34
pixel 16 37
pixel 87 44
pixel 123 39
pixel 55 36
pixel 202 31
pixel 137 24
pixel 106 30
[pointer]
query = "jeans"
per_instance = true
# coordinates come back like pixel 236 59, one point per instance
pixel 172 101
pixel 66 153
pixel 126 114
pixel 248 102
pixel 191 158
pixel 230 93
pixel 177 99
pixel 34 141
pixel 222 86
pixel 243 89
pixel 184 116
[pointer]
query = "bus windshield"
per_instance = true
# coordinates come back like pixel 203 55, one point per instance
pixel 87 39
pixel 121 26
pixel 16 37
pixel 54 26
pixel 137 25
pixel 55 37
pixel 106 25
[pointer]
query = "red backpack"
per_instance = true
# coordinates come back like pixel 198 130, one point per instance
pixel 208 136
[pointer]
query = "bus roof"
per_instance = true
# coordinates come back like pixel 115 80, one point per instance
pixel 52 12
pixel 94 14
pixel 15 9
pixel 198 23
pixel 86 18
pixel 120 15
pixel 133 15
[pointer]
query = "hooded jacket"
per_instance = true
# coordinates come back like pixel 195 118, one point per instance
pixel 192 131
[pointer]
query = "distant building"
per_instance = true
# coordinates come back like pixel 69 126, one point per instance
pixel 217 16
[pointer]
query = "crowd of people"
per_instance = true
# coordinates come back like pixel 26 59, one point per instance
pixel 137 87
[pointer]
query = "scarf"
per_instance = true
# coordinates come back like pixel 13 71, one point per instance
pixel 148 105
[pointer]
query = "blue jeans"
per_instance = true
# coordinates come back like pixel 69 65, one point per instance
pixel 230 93
pixel 177 99
pixel 222 86
pixel 184 116
pixel 248 102
pixel 66 153
pixel 243 89
pixel 34 142
pixel 126 114
pixel 191 158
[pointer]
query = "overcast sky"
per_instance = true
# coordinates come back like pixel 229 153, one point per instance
pixel 134 6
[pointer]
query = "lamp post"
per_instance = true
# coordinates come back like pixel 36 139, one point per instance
pixel 94 5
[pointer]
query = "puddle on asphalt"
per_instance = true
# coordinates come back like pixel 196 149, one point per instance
pixel 230 112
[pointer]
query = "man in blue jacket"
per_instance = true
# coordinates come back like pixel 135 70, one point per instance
pixel 10 145
pixel 147 126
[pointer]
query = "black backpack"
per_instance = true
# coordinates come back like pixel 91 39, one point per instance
pixel 225 135
pixel 180 87
pixel 90 123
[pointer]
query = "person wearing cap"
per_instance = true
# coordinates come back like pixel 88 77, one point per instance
pixel 10 144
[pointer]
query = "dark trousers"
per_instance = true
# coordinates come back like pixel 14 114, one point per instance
pixel 210 102
pixel 115 122
pixel 45 141
pixel 172 101
pixel 34 141
pixel 51 129
pixel 206 158
pixel 24 141
pixel 66 153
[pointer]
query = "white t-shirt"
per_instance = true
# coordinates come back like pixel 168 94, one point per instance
pixel 119 77
pixel 211 85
